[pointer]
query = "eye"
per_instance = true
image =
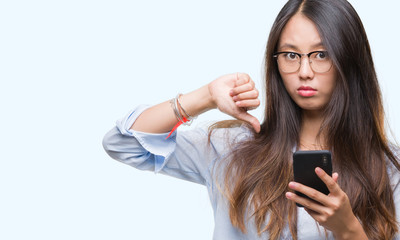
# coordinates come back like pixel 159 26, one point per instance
pixel 321 55
pixel 291 56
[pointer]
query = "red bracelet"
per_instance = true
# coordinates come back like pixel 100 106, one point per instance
pixel 176 126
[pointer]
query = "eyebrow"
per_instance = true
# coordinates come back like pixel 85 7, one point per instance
pixel 288 45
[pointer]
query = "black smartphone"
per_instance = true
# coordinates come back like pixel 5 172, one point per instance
pixel 304 164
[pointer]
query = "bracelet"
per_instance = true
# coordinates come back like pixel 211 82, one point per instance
pixel 181 119
pixel 176 111
pixel 189 118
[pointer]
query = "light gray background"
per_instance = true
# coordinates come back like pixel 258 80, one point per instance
pixel 70 69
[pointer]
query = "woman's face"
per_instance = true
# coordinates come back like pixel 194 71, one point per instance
pixel 310 90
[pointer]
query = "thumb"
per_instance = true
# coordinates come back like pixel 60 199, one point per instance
pixel 253 121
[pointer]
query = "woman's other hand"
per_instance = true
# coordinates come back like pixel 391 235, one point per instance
pixel 331 211
pixel 235 94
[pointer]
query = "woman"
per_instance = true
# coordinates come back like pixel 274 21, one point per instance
pixel 321 93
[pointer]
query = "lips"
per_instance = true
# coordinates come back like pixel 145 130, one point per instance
pixel 306 91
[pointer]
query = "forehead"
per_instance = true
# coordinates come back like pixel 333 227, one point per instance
pixel 300 33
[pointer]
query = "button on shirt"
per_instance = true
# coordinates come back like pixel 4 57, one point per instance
pixel 188 155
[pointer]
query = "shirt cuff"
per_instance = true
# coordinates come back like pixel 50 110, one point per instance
pixel 155 143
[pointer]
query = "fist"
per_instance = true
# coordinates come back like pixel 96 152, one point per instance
pixel 235 94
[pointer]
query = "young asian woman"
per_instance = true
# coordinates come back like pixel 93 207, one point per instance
pixel 321 93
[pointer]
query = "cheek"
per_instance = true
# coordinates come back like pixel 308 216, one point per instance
pixel 327 83
pixel 331 85
pixel 288 83
pixel 288 88
pixel 332 80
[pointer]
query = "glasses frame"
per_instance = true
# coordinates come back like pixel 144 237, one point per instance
pixel 275 55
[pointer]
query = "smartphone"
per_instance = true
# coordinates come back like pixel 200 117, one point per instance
pixel 304 164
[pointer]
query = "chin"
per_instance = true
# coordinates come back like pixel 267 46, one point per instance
pixel 307 107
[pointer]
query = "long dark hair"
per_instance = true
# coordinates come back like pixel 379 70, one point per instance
pixel 260 169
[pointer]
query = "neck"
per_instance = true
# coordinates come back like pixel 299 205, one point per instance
pixel 310 128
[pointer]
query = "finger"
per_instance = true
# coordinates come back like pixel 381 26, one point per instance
pixel 250 103
pixel 311 212
pixel 250 108
pixel 316 215
pixel 244 81
pixel 253 121
pixel 332 186
pixel 306 203
pixel 310 192
pixel 335 176
pixel 246 95
pixel 241 89
pixel 242 78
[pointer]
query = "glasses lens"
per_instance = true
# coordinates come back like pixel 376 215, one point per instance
pixel 288 62
pixel 320 62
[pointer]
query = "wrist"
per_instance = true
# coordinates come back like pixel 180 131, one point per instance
pixel 198 101
pixel 353 231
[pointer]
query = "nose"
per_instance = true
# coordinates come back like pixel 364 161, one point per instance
pixel 305 71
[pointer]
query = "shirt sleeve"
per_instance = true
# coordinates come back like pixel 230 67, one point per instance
pixel 186 155
pixel 394 176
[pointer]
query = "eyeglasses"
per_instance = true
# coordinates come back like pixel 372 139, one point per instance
pixel 290 62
